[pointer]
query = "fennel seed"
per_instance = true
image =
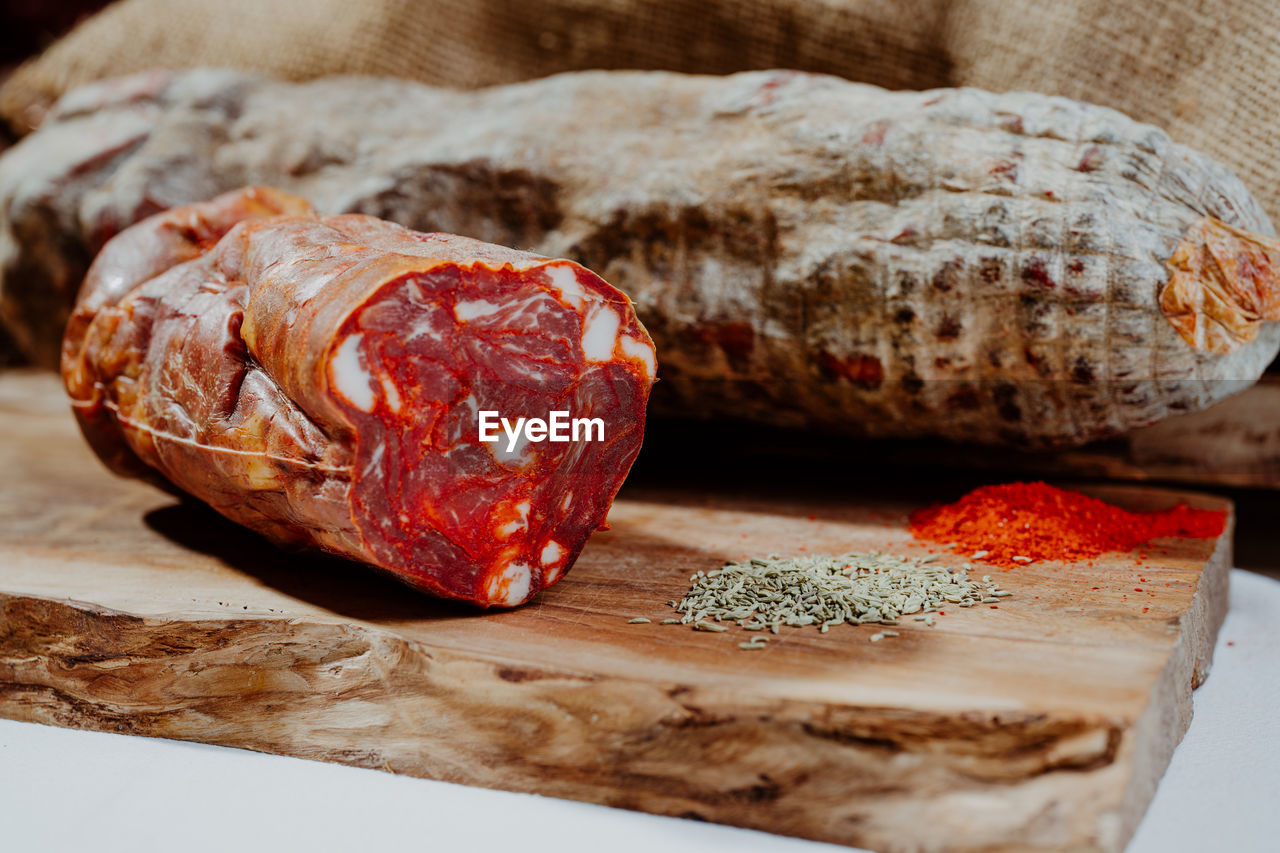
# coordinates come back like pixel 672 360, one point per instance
pixel 822 591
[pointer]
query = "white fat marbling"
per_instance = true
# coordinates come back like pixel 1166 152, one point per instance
pixel 565 279
pixel 508 450
pixel 641 351
pixel 390 391
pixel 552 553
pixel 521 522
pixel 511 585
pixel 473 308
pixel 375 459
pixel 423 326
pixel 472 407
pixel 347 375
pixel 600 333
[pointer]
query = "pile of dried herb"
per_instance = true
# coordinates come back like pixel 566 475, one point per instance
pixel 761 594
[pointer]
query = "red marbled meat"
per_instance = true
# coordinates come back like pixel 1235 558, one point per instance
pixel 318 379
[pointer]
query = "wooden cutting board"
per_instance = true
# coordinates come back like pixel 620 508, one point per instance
pixel 1044 723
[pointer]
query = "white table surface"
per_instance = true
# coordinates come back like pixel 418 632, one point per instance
pixel 72 790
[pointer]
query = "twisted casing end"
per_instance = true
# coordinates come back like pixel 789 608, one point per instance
pixel 1224 283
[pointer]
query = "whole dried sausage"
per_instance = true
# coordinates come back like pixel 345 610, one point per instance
pixel 806 251
pixel 319 379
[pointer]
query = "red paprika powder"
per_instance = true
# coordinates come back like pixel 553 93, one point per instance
pixel 1037 521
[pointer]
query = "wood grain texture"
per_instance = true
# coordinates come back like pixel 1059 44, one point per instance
pixel 1043 724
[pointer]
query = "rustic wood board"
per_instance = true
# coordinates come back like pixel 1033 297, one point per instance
pixel 1043 724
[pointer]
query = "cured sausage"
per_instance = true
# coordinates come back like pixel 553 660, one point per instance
pixel 321 380
pixel 806 251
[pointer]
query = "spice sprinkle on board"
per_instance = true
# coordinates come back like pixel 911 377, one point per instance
pixel 1013 524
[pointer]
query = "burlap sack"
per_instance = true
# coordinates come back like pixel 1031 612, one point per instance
pixel 1207 71
pixel 466 43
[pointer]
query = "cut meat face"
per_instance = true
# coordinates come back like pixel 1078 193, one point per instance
pixel 323 381
pixel 415 368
